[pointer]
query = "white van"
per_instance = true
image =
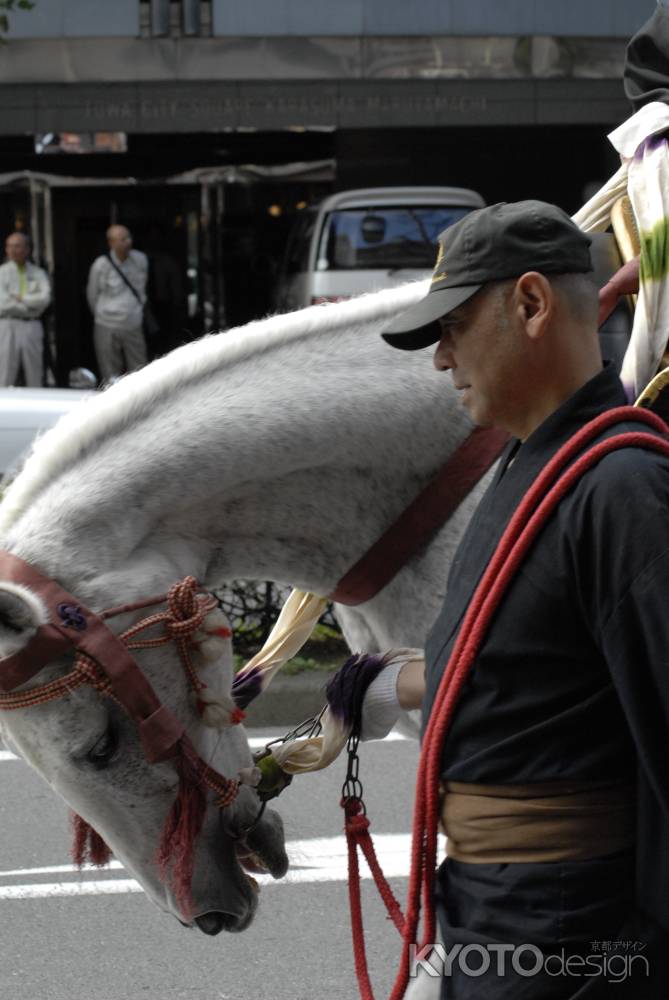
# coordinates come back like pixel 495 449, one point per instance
pixel 364 240
pixel 25 413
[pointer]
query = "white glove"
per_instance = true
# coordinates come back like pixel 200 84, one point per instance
pixel 380 707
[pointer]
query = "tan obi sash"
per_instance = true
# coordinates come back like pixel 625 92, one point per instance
pixel 553 821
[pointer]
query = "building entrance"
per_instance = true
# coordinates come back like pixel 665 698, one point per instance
pixel 214 238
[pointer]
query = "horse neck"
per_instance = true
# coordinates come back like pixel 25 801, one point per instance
pixel 283 465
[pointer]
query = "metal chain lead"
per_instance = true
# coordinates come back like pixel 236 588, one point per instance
pixel 352 788
pixel 308 728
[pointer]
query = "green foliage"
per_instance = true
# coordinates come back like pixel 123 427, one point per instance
pixel 326 633
pixel 324 651
pixel 303 664
pixel 655 252
pixel 7 6
pixel 299 664
pixel 252 609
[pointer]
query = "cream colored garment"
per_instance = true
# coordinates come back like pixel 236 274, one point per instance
pixel 644 176
pixel 294 625
pixel 297 620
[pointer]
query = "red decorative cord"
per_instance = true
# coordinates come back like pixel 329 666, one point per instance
pixel 185 613
pixel 527 521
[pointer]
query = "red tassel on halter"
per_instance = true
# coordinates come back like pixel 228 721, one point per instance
pixel 88 847
pixel 175 857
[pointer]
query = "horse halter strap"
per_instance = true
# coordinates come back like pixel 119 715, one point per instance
pixel 416 525
pixel 104 660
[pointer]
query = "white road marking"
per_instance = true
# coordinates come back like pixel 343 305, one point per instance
pixel 59 870
pixel 255 742
pixel 321 859
pixel 54 889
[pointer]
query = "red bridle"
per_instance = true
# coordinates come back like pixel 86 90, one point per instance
pixel 105 661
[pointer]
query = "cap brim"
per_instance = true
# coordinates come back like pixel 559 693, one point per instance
pixel 418 327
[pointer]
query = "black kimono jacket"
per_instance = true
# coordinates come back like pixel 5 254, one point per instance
pixel 572 680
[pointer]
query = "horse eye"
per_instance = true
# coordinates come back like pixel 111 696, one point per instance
pixel 101 754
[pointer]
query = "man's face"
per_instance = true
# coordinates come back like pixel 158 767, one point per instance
pixel 120 241
pixel 16 248
pixel 476 346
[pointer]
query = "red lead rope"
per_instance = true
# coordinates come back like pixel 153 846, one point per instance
pixel 357 836
pixel 552 484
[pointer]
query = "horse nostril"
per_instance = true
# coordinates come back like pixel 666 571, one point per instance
pixel 215 922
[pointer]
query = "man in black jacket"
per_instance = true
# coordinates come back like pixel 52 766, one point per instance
pixel 556 790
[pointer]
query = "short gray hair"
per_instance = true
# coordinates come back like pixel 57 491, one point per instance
pixel 579 294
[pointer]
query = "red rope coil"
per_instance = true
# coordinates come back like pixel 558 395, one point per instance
pixel 527 521
pixel 534 510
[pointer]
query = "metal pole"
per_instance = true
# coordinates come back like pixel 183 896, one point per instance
pixel 206 263
pixel 221 319
pixel 35 228
pixel 48 231
pixel 160 18
pixel 191 17
pixel 51 348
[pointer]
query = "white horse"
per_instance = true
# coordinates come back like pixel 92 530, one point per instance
pixel 280 451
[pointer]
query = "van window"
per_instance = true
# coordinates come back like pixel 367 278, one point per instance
pixel 386 238
pixel 299 243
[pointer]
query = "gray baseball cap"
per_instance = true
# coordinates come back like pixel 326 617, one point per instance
pixel 491 244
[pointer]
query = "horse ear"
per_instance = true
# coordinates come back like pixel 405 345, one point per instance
pixel 21 614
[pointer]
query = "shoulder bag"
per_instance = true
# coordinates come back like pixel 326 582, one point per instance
pixel 150 324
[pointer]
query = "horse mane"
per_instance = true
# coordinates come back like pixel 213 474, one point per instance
pixel 78 431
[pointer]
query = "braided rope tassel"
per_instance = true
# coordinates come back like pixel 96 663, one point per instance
pixel 176 851
pixel 88 847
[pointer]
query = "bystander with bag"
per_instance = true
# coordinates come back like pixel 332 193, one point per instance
pixel 116 294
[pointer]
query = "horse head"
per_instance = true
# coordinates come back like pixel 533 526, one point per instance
pixel 132 786
pixel 280 451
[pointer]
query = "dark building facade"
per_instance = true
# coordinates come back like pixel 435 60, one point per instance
pixel 206 124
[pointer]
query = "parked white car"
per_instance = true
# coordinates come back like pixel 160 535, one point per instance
pixel 24 413
pixel 365 240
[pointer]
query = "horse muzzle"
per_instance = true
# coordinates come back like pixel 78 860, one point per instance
pixel 216 921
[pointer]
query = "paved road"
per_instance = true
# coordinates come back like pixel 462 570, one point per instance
pixel 94 936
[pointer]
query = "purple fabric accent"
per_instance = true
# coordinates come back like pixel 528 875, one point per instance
pixel 71 617
pixel 649 144
pixel 346 690
pixel 246 687
pixel 629 392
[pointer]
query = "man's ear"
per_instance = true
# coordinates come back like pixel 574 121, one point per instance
pixel 534 303
pixel 21 614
